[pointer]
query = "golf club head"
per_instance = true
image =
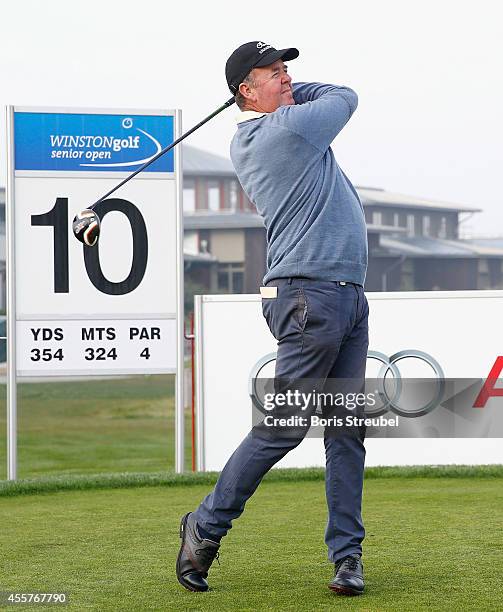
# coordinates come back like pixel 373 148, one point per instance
pixel 86 227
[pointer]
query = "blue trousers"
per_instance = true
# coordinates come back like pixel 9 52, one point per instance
pixel 322 332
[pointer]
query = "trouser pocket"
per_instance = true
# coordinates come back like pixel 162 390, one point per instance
pixel 287 313
pixel 301 309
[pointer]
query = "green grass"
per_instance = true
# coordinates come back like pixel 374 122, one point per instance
pixel 111 425
pixel 52 484
pixel 110 539
pixel 432 544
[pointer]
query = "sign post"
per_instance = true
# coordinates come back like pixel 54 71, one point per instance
pixel 116 308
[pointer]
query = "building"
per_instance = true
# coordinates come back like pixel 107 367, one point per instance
pixel 414 243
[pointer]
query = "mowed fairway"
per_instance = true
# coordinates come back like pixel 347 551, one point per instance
pixel 432 544
pixel 91 426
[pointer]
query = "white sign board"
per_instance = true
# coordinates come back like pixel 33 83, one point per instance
pixel 112 308
pixel 455 328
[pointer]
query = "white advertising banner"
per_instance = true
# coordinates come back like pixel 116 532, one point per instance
pixel 112 308
pixel 451 330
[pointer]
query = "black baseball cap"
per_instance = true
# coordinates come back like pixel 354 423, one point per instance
pixel 252 55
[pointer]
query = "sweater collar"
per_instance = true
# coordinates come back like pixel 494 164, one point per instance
pixel 247 115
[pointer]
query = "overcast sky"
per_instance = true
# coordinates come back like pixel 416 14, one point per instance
pixel 428 75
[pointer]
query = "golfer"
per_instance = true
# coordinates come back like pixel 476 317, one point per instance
pixel 312 299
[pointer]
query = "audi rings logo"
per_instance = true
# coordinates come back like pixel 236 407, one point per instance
pixel 389 375
pixel 389 365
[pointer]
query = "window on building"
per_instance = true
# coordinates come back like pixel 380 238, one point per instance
pixel 213 196
pixel 377 217
pixel 190 242
pixel 231 277
pixel 234 195
pixel 189 198
pixel 484 280
pixel 396 220
pixel 407 276
pixel 442 229
pixel 410 225
pixel 426 225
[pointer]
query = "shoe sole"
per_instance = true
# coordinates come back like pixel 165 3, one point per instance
pixel 179 577
pixel 342 590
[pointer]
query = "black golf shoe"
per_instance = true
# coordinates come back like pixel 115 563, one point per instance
pixel 348 578
pixel 195 557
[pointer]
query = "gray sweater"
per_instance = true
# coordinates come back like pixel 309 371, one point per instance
pixel 313 216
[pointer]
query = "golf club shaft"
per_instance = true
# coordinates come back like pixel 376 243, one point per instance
pixel 165 150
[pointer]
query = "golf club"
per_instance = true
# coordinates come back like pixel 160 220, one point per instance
pixel 86 224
